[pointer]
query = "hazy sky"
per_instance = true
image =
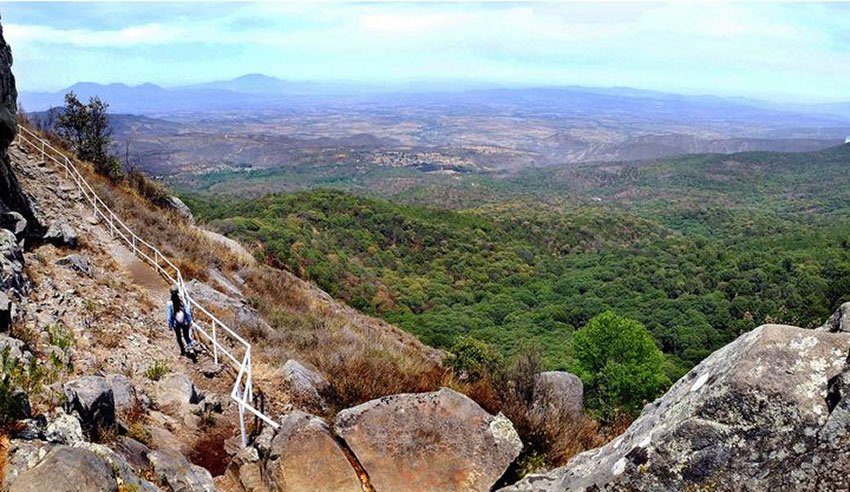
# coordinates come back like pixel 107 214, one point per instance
pixel 781 50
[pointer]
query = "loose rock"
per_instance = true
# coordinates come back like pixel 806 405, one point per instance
pixel 61 234
pixel 76 262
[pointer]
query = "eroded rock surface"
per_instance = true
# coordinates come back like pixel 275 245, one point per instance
pixel 429 441
pixel 755 415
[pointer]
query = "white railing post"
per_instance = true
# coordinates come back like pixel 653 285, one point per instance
pixel 215 343
pixel 242 425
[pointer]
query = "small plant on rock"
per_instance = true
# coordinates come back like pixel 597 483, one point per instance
pixel 157 370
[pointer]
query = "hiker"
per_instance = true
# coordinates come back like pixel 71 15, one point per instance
pixel 180 320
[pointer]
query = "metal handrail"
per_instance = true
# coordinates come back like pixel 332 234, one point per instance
pixel 242 392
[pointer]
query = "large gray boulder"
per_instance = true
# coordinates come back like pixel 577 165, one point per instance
pixel 67 469
pixel 756 415
pixel 305 456
pixel 244 316
pixel 558 393
pixel 304 386
pixel 92 399
pixel 429 441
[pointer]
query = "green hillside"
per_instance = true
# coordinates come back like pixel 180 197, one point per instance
pixel 699 249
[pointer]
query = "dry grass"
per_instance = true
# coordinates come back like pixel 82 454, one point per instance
pixel 4 455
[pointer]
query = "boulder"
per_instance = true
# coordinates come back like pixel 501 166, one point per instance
pixel 123 392
pixel 429 441
pixel 64 429
pixel 839 322
pixel 210 369
pixel 5 313
pixel 12 275
pixel 181 208
pixel 17 348
pixel 305 456
pixel 14 222
pixel 61 234
pixel 67 469
pixel 304 386
pixel 21 455
pixel 176 389
pixel 175 470
pixel 132 451
pixel 558 393
pixel 76 262
pixel 92 399
pixel 766 412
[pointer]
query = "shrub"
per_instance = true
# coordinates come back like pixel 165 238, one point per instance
pixel 18 382
pixel 620 365
pixel 472 359
pixel 157 370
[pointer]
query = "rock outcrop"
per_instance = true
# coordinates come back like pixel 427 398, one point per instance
pixel 769 411
pixel 305 456
pixel 429 441
pixel 12 197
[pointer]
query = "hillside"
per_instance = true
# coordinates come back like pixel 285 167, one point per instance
pixel 700 249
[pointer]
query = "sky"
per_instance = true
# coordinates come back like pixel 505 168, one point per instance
pixel 780 51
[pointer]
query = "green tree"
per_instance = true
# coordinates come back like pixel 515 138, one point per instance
pixel 619 363
pixel 86 129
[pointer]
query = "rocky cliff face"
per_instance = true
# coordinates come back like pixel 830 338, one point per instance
pixel 769 411
pixel 12 198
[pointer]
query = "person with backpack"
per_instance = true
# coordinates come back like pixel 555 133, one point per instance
pixel 180 320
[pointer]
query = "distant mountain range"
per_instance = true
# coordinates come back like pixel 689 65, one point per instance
pixel 260 92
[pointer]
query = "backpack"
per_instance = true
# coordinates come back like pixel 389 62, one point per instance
pixel 181 320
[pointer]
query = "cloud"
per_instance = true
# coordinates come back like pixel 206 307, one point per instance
pixel 742 48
